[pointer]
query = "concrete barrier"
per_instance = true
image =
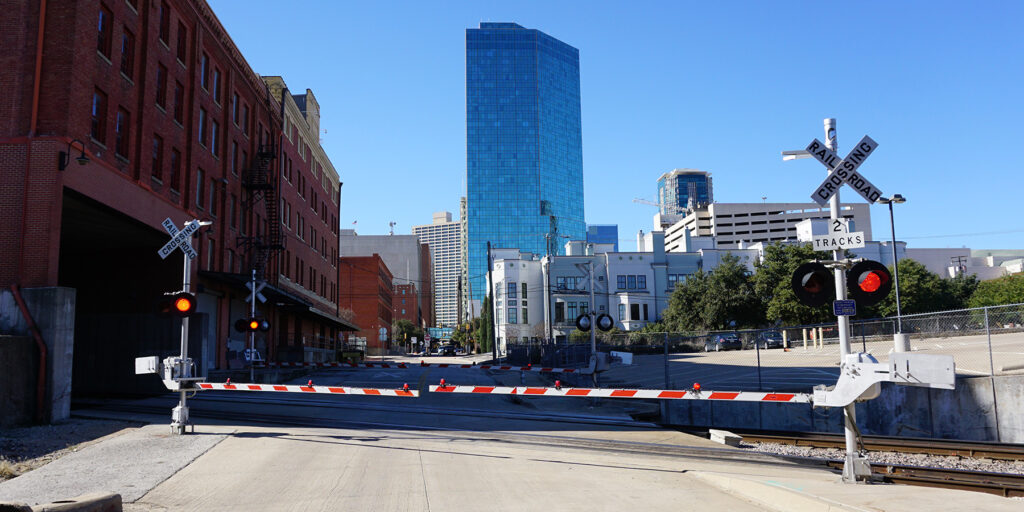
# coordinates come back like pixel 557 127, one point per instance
pixel 979 409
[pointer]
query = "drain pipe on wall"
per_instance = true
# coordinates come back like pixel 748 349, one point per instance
pixel 41 381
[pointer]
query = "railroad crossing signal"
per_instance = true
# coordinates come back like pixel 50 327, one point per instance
pixel 868 282
pixel 180 304
pixel 179 239
pixel 259 287
pixel 813 284
pixel 252 324
pixel 844 171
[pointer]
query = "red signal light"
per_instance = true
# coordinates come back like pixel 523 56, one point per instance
pixel 870 282
pixel 182 304
pixel 254 324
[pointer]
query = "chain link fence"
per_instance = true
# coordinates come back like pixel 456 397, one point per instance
pixel 983 342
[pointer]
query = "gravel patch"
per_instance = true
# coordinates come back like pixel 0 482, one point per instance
pixel 27 448
pixel 910 459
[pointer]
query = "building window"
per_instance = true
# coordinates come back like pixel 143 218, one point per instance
pixel 121 133
pixel 103 38
pixel 634 311
pixel 127 53
pixel 524 290
pixel 234 158
pixel 99 116
pixel 161 86
pixel 202 126
pixel 234 211
pixel 621 282
pixel 213 197
pixel 584 307
pixel 245 119
pixel 179 102
pixel 165 22
pixel 216 85
pixel 182 42
pixel 645 312
pixel 631 280
pixel 641 282
pixel 200 190
pixel 559 312
pixel 512 315
pixel 234 108
pixel 158 157
pixel 214 130
pixel 175 170
pixel 204 72
pixel 512 290
pixel 526 316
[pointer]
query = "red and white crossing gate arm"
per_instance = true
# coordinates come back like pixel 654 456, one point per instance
pixel 282 388
pixel 736 396
pixel 426 365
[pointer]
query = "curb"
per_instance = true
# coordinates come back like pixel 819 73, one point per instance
pixel 773 494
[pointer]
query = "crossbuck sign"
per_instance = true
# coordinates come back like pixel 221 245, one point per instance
pixel 844 171
pixel 179 239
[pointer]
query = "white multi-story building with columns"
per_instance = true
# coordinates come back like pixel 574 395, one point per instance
pixel 540 298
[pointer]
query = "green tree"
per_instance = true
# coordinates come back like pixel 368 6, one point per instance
pixel 773 285
pixel 484 332
pixel 684 305
pixel 997 292
pixel 403 331
pixel 960 289
pixel 730 299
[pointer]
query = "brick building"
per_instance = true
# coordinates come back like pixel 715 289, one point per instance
pixel 174 124
pixel 407 304
pixel 368 291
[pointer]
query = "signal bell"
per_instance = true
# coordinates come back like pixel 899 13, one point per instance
pixel 868 282
pixel 813 284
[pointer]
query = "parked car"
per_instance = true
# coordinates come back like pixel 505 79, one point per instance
pixel 723 342
pixel 769 339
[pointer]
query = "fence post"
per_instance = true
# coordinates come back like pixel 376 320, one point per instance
pixel 668 385
pixel 757 349
pixel 988 334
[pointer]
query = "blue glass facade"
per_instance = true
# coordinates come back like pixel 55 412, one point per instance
pixel 524 145
pixel 678 187
pixel 603 234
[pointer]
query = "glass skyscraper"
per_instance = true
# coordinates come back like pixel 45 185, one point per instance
pixel 683 189
pixel 524 144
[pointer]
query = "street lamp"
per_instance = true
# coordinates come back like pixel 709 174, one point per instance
pixel 896 198
pixel 64 158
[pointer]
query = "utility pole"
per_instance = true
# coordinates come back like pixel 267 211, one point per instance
pixel 252 333
pixel 593 320
pixel 490 286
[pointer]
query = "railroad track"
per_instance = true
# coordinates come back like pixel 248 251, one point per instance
pixel 1002 484
pixel 1007 485
pixel 970 449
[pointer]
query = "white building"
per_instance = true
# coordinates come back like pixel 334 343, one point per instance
pixel 735 224
pixel 444 237
pixel 540 298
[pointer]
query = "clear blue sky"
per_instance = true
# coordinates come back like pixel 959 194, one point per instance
pixel 718 86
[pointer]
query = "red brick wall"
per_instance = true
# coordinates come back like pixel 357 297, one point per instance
pixel 366 289
pixel 407 304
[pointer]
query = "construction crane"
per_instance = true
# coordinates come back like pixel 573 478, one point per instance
pixel 670 208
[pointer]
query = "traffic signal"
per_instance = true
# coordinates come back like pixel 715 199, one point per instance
pixel 813 284
pixel 252 324
pixel 868 282
pixel 605 322
pixel 180 304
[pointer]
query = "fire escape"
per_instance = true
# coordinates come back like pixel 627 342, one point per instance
pixel 260 184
